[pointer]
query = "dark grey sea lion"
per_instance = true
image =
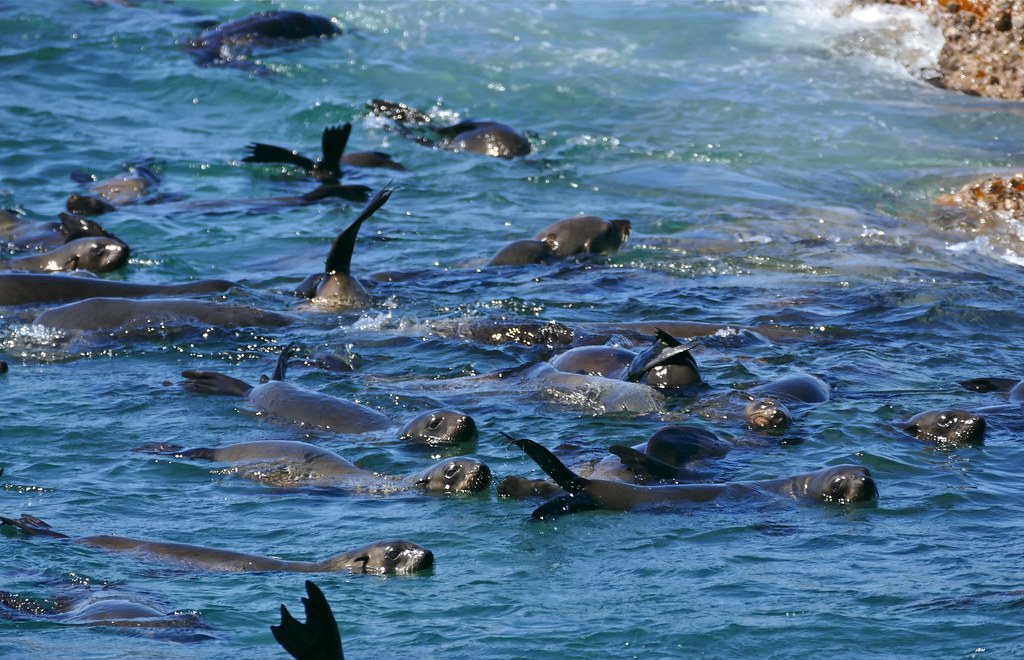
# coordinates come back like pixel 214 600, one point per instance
pixel 96 254
pixel 318 638
pixel 522 253
pixel 328 167
pixel 290 402
pixel 607 361
pixel 841 484
pixel 335 287
pixel 947 427
pixel 129 314
pixel 116 191
pixel 29 288
pixel 1013 387
pixel 584 234
pixel 24 234
pixel 88 205
pixel 770 403
pixel 391 556
pixel 226 44
pixel 482 137
pixel 292 464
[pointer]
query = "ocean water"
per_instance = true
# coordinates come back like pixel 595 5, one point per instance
pixel 779 163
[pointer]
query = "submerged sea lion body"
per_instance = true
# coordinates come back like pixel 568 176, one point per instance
pixel 130 314
pixel 489 138
pixel 96 254
pixel 309 465
pixel 523 252
pixel 391 556
pixel 843 484
pixel 29 288
pixel 225 44
pixel 108 194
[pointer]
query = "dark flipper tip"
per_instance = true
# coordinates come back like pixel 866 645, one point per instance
pixel 318 638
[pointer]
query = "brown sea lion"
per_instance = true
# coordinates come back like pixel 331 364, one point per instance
pixel 391 556
pixel 947 427
pixel 584 234
pixel 96 254
pixel 290 402
pixel 292 464
pixel 227 44
pixel 29 288
pixel 108 194
pixel 489 138
pixel 770 403
pixel 841 484
pixel 522 253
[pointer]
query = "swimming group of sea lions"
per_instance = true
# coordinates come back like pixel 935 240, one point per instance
pixel 672 468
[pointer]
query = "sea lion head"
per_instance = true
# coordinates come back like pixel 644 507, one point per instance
pixel 88 205
pixel 955 427
pixel 489 138
pixel 440 428
pixel 391 556
pixel 455 475
pixel 340 290
pixel 95 254
pixel 584 233
pixel 666 364
pixel 842 483
pixel 767 414
pixel 677 445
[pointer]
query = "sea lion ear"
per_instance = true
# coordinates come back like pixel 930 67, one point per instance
pixel 366 561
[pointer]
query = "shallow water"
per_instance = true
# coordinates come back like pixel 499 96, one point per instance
pixel 778 162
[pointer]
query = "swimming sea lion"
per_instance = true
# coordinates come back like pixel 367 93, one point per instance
pixel 28 288
pixel 335 287
pixel 23 234
pixel 584 234
pixel 391 556
pixel 129 314
pixel 483 137
pixel 842 484
pixel 523 252
pixel 328 167
pixel 287 401
pixel 294 464
pixel 88 205
pixel 116 191
pixel 1013 387
pixel 225 44
pixel 96 254
pixel 318 638
pixel 947 427
pixel 770 403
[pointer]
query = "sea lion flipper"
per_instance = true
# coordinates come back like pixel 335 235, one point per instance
pixel 268 153
pixel 318 638
pixel 989 384
pixel 332 143
pixel 282 362
pixel 641 463
pixel 564 505
pixel 32 526
pixel 666 338
pixel 550 463
pixel 213 382
pixel 397 111
pixel 339 259
pixel 351 192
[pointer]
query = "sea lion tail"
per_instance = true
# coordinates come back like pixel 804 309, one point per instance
pixel 318 638
pixel 282 362
pixel 564 505
pixel 213 382
pixel 339 260
pixel 550 463
pixel 333 142
pixel 32 526
pixel 642 464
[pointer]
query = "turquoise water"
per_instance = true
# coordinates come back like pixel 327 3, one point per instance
pixel 779 163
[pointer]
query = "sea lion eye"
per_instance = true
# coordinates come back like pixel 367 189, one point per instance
pixel 452 470
pixel 838 486
pixel 392 554
pixel 945 420
pixel 434 423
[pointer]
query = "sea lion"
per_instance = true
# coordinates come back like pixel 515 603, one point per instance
pixel 226 44
pixel 584 234
pixel 287 401
pixel 96 254
pixel 335 288
pixel 318 638
pixel 1012 387
pixel 947 427
pixel 29 288
pixel 23 234
pixel 770 403
pixel 116 191
pixel 390 556
pixel 489 138
pixel 293 464
pixel 327 168
pixel 128 314
pixel 841 484
pixel 522 253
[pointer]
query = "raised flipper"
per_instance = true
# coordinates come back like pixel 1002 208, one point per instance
pixel 318 638
pixel 213 382
pixel 268 153
pixel 550 463
pixel 643 464
pixel 563 506
pixel 32 526
pixel 332 144
pixel 339 259
pixel 282 362
pixel 989 384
